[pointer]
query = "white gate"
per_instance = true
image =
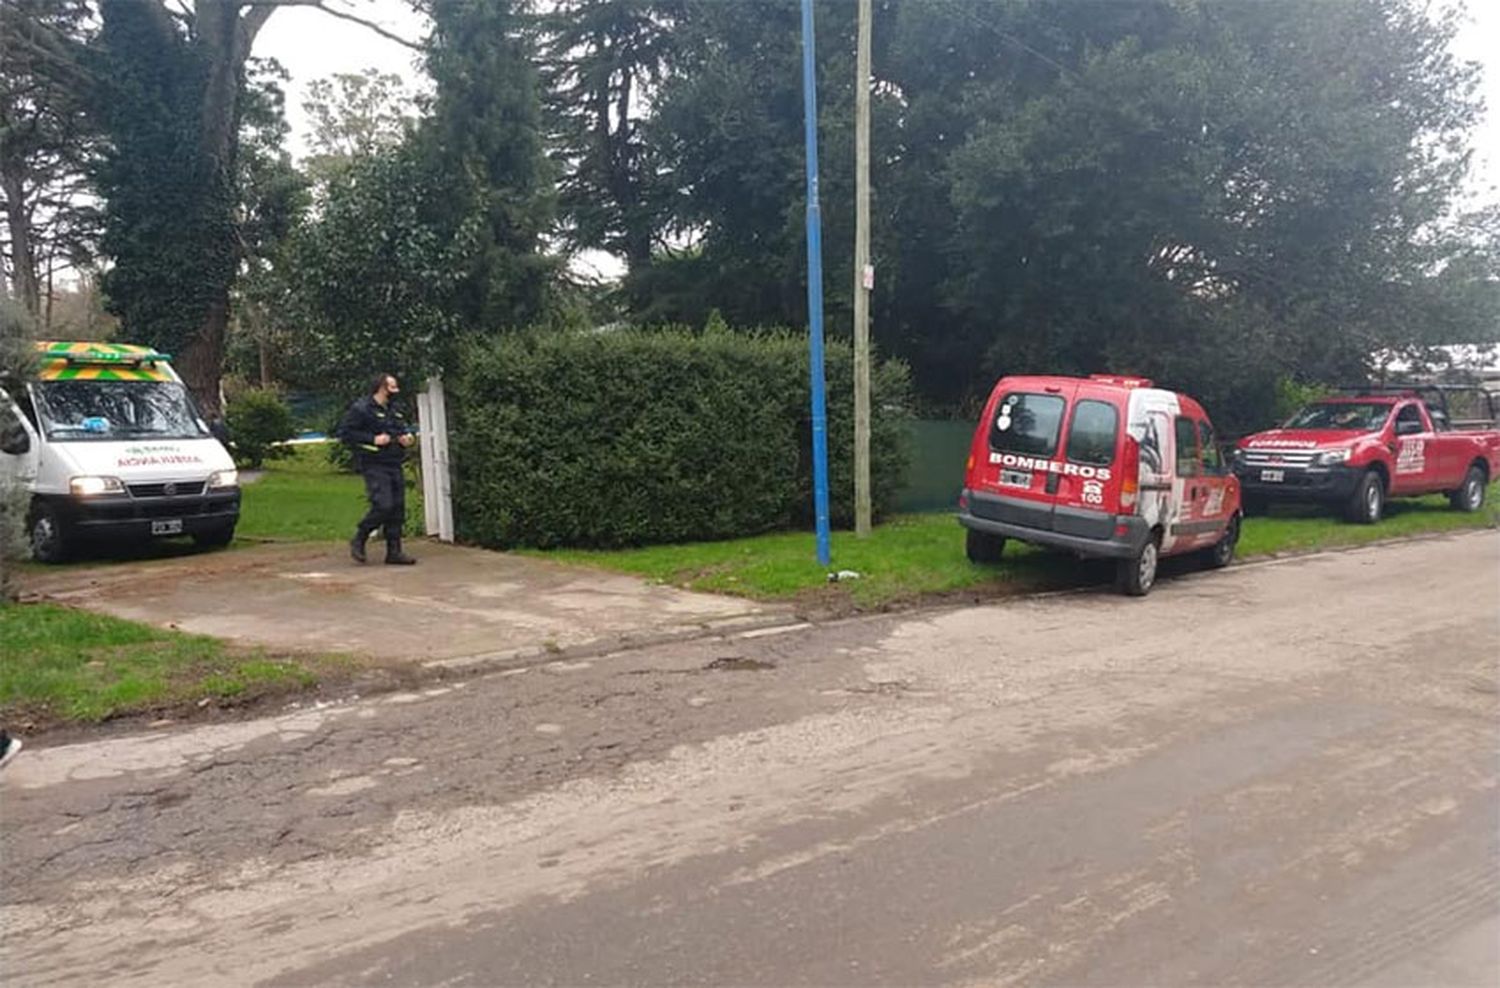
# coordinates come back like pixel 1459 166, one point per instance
pixel 437 489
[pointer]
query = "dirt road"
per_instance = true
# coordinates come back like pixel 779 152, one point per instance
pixel 1280 774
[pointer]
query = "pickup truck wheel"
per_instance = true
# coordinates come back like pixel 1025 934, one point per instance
pixel 1469 497
pixel 1368 500
pixel 1221 553
pixel 49 541
pixel 1136 575
pixel 982 547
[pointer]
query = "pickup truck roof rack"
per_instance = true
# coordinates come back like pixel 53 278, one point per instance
pixel 1435 396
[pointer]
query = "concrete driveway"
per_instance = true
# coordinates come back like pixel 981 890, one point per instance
pixel 458 607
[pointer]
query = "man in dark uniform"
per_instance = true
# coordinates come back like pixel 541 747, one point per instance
pixel 378 435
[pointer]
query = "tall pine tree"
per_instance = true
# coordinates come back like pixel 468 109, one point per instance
pixel 485 140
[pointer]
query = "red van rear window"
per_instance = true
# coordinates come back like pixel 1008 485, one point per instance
pixel 1027 423
pixel 1091 438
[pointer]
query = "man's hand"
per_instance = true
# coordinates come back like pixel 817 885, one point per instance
pixel 384 439
pixel 406 440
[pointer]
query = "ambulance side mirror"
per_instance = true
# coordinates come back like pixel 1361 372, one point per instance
pixel 14 440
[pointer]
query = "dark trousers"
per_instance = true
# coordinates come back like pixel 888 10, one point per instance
pixel 386 489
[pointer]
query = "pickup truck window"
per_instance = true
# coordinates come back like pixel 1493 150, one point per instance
pixel 1353 416
pixel 1407 418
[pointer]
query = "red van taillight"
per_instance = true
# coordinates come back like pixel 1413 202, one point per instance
pixel 970 465
pixel 1130 474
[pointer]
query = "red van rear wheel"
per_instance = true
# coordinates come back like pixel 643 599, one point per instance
pixel 1221 553
pixel 982 547
pixel 1136 575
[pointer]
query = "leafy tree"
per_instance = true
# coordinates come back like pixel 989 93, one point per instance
pixel 375 278
pixel 354 115
pixel 171 100
pixel 273 199
pixel 603 60
pixel 485 145
pixel 46 144
pixel 16 360
pixel 728 126
pixel 1217 194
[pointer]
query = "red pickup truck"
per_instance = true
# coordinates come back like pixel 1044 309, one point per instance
pixel 1359 449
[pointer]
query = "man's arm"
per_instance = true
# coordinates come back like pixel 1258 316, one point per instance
pixel 355 429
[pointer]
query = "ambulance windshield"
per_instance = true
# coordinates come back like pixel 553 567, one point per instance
pixel 83 411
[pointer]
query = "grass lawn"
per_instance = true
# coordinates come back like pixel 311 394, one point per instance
pixel 67 666
pixel 304 499
pixel 913 555
pixel 64 665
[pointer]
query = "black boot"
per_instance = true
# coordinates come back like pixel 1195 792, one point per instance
pixel 394 556
pixel 357 545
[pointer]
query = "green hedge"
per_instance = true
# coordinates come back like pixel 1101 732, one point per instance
pixel 633 437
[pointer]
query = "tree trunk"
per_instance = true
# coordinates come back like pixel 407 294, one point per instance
pixel 201 364
pixel 51 294
pixel 22 254
pixel 225 39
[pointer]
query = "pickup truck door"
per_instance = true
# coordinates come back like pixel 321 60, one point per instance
pixel 1418 469
pixel 1455 451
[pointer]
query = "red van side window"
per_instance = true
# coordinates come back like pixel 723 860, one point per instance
pixel 1187 447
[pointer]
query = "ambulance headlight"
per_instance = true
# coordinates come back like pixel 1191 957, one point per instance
pixel 95 486
pixel 223 478
pixel 1330 457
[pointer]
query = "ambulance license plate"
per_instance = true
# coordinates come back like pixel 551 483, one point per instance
pixel 1272 476
pixel 170 526
pixel 1016 478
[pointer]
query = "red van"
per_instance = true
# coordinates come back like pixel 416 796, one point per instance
pixel 1103 467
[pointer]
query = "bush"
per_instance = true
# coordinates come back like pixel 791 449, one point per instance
pixel 634 437
pixel 258 421
pixel 16 364
pixel 338 454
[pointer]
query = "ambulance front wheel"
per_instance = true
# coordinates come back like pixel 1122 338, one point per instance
pixel 215 538
pixel 48 537
pixel 982 547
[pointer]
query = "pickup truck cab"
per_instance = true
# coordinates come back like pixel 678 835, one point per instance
pixel 1103 466
pixel 109 447
pixel 1357 451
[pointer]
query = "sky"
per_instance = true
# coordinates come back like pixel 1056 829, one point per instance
pixel 311 45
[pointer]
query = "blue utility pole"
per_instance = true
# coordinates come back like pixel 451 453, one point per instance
pixel 815 286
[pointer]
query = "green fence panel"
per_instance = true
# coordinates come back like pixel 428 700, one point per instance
pixel 936 474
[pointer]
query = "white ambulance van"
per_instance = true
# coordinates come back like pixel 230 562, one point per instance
pixel 109 447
